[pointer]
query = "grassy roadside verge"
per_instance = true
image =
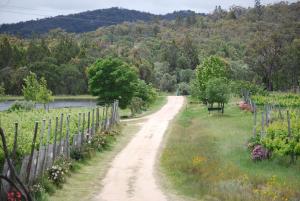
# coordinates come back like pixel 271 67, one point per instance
pixel 205 157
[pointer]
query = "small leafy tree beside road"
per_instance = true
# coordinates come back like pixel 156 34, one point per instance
pixel 112 79
pixel 36 90
pixel 217 91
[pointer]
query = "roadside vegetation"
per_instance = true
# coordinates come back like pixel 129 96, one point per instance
pixel 207 157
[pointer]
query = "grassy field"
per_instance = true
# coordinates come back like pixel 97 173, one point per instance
pixel 205 157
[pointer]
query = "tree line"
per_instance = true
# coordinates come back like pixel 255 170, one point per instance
pixel 260 45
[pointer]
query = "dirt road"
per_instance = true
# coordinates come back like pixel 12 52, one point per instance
pixel 131 175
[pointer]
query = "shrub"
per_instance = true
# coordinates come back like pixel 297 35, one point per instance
pixel 21 105
pixel 260 153
pixel 212 67
pixel 56 175
pixel 254 89
pixel 85 152
pixel 99 142
pixel 253 141
pixel 217 91
pixel 184 89
pixel 136 105
pixel 38 191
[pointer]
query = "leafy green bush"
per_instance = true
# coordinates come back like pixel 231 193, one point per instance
pixel 212 67
pixel 101 141
pixel 85 152
pixel 57 173
pixel 146 92
pixel 21 106
pixel 254 89
pixel 217 91
pixel 2 92
pixel 136 105
pixel 184 89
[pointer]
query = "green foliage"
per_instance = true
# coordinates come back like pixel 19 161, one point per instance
pixel 2 92
pixel 212 67
pixel 36 91
pixel 31 88
pixel 238 85
pixel 262 50
pixel 44 95
pixel 145 92
pixel 184 89
pixel 277 138
pixel 21 106
pixel 26 121
pixel 278 99
pixel 217 91
pixel 58 172
pixel 112 79
pixel 167 82
pixel 136 105
pixel 5 52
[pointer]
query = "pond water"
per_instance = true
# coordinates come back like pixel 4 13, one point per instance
pixel 55 104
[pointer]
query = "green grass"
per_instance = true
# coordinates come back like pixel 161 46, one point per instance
pixel 205 157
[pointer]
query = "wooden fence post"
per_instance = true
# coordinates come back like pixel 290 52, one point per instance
pixel 93 122
pixel 262 124
pixel 255 120
pixel 79 123
pixel 89 121
pixel 36 172
pixel 46 159
pixel 60 133
pixel 83 131
pixel 14 152
pixel 68 138
pixel 32 151
pixel 97 118
pixel 55 138
pixel 103 118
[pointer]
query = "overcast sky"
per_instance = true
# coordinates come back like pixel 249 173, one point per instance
pixel 23 10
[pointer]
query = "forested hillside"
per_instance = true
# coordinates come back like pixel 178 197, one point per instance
pixel 85 21
pixel 260 44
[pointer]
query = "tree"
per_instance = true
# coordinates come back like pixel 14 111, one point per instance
pixel 212 67
pixel 112 79
pixel 264 56
pixel 5 52
pixel 217 91
pixel 44 95
pixel 31 88
pixel 258 9
pixel 35 90
pixel 2 92
pixel 168 82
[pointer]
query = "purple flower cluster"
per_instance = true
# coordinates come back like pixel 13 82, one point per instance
pixel 259 153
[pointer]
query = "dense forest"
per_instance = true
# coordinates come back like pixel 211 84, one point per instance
pixel 85 21
pixel 260 44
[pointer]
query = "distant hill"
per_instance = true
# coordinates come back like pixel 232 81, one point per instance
pixel 85 21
